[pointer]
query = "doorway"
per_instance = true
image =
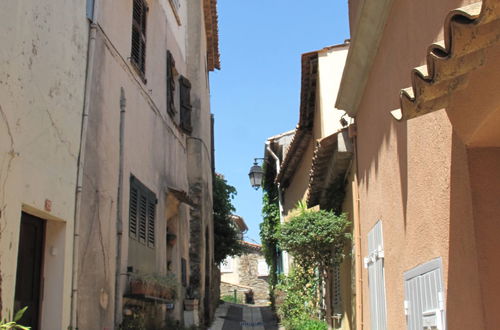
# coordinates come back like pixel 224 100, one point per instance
pixel 29 268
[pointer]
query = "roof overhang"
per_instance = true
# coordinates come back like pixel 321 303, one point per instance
pixel 240 222
pixel 468 32
pixel 181 196
pixel 363 49
pixel 331 160
pixel 212 34
pixel 303 132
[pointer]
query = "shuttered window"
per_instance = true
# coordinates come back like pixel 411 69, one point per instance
pixel 138 52
pixel 424 303
pixel 142 213
pixel 376 282
pixel 170 84
pixel 185 103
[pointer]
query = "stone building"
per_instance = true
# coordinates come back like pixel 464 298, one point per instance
pixel 244 273
pixel 147 179
pixel 42 95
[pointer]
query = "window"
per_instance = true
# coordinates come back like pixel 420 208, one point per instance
pixel 142 213
pixel 376 282
pixel 424 304
pixel 185 102
pixel 227 265
pixel 138 53
pixel 170 84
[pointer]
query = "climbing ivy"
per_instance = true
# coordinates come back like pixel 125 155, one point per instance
pixel 269 228
pixel 226 235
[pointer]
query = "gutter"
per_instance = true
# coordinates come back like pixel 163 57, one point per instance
pixel 362 52
pixel 81 161
pixel 119 215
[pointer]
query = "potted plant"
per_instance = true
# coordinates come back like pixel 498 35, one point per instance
pixel 167 285
pixel 190 302
pixel 142 284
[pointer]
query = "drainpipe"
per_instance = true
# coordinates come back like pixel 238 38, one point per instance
pixel 280 203
pixel 119 219
pixel 357 239
pixel 81 161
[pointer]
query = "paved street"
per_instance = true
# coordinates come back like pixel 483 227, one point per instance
pixel 234 317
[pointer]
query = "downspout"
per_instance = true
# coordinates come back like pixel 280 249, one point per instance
pixel 119 219
pixel 357 240
pixel 280 203
pixel 73 321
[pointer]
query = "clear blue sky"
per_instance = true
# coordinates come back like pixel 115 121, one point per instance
pixel 257 92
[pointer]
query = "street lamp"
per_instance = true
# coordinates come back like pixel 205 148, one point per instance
pixel 256 174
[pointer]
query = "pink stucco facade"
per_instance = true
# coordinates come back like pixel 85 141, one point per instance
pixel 431 182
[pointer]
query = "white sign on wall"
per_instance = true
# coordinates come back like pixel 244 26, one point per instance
pixel 262 268
pixel 227 265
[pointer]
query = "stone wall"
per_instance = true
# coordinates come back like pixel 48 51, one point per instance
pixel 249 275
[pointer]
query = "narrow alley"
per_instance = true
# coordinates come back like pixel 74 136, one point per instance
pixel 231 316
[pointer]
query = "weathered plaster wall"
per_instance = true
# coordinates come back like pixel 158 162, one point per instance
pixel 42 71
pixel 156 152
pixel 414 175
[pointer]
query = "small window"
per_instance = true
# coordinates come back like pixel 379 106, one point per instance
pixel 138 53
pixel 170 84
pixel 185 104
pixel 142 213
pixel 227 265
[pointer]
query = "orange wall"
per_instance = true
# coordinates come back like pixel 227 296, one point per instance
pixel 484 166
pixel 414 175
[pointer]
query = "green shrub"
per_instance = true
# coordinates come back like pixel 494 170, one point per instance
pixel 230 298
pixel 310 324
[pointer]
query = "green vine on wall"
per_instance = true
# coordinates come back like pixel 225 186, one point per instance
pixel 269 228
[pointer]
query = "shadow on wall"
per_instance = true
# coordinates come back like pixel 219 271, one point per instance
pixel 464 305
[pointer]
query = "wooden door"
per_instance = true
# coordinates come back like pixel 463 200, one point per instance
pixel 29 268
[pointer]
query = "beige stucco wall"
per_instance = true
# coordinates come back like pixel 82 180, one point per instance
pixel 42 71
pixel 156 152
pixel 413 175
pixel 331 63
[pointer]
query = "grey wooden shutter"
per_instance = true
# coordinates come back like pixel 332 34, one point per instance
pixel 424 303
pixel 151 221
pixel 133 210
pixel 138 52
pixel 376 281
pixel 142 213
pixel 170 84
pixel 185 103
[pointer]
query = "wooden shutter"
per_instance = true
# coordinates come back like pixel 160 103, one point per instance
pixel 170 84
pixel 151 222
pixel 185 102
pixel 376 282
pixel 424 303
pixel 133 210
pixel 138 53
pixel 142 213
